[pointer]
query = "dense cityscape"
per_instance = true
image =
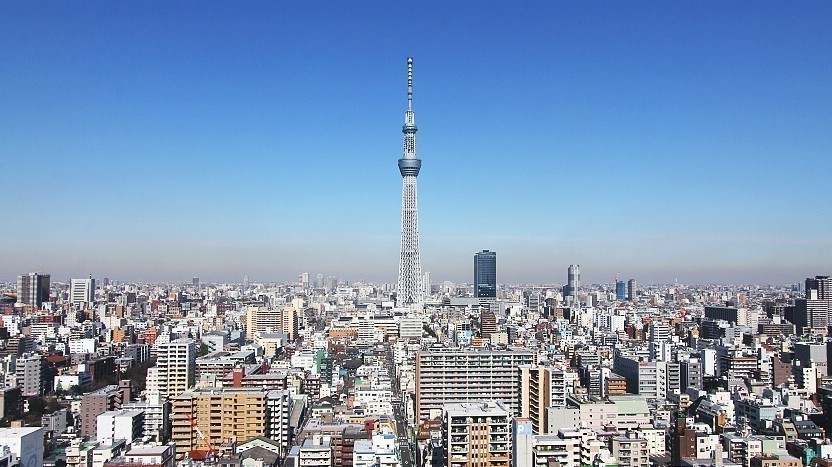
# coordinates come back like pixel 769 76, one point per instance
pixel 327 372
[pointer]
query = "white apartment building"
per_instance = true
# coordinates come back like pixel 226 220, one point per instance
pixel 176 366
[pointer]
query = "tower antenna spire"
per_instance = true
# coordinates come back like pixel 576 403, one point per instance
pixel 409 83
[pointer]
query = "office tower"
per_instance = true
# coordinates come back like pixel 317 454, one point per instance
pixel 319 280
pixel 409 287
pixel 573 283
pixel 176 366
pixel 33 289
pixel 245 284
pixel 485 274
pixel 449 376
pixel 620 290
pixel 426 284
pixel 476 434
pixel 631 290
pixel 304 280
pixel 82 291
pixel 821 288
pixel 195 281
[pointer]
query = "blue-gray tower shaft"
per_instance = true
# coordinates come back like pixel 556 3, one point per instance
pixel 409 287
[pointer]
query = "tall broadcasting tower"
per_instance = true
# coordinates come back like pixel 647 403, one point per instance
pixel 409 289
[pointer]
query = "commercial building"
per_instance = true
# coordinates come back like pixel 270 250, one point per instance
pixel 485 274
pixel 573 283
pixel 82 291
pixel 33 289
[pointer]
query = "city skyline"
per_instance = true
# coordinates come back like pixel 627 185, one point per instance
pixel 155 142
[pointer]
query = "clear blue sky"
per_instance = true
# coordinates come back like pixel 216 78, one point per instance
pixel 661 140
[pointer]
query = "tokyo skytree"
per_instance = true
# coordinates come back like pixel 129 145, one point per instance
pixel 409 287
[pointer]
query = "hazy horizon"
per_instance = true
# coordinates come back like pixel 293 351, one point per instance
pixel 155 142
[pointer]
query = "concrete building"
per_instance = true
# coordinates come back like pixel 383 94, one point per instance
pixel 640 374
pixel 279 407
pixel 95 403
pixel 26 444
pixel 594 413
pixel 477 434
pixel 176 366
pixel 452 376
pixel 772 460
pixel 155 456
pixel 542 387
pixel 156 416
pixel 630 450
pixel 11 402
pixel 120 424
pixel 82 291
pixel 315 452
pixel 33 289
pixel 221 416
pixel 29 371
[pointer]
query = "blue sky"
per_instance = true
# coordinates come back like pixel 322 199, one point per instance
pixel 661 140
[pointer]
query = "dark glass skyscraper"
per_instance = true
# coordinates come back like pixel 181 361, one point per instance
pixel 620 290
pixel 485 274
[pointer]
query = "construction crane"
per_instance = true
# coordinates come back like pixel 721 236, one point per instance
pixel 202 436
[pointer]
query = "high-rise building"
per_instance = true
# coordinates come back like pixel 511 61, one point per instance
pixel 573 283
pixel 409 287
pixel 620 290
pixel 176 366
pixel 82 291
pixel 542 387
pixel 33 289
pixel 485 274
pixel 195 281
pixel 631 290
pixel 448 376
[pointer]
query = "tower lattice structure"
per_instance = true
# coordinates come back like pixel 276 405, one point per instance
pixel 409 287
